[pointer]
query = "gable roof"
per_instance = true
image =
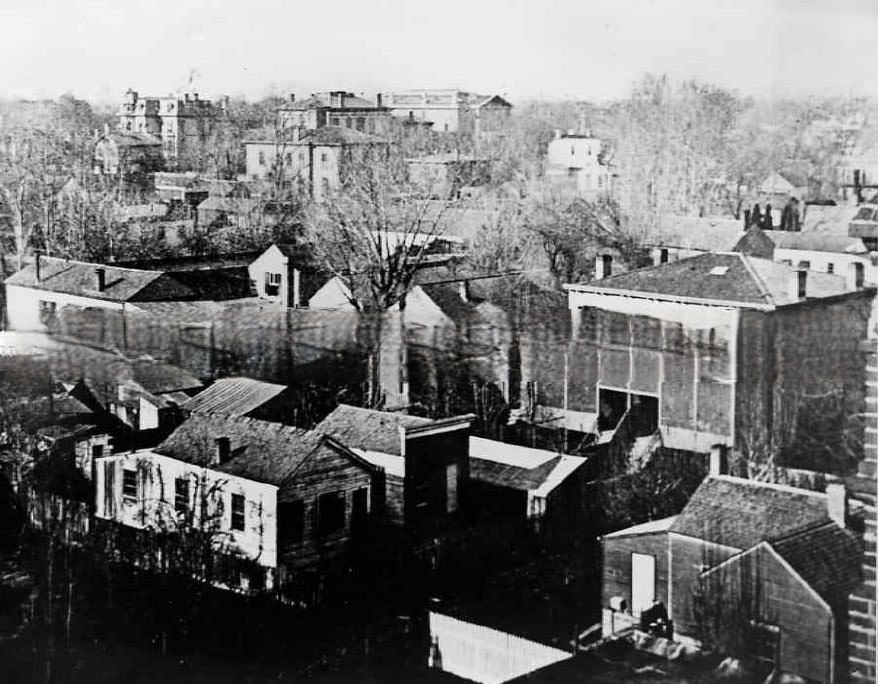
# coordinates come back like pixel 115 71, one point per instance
pixel 720 277
pixel 817 242
pixel 741 513
pixel 259 450
pixel 234 396
pixel 700 233
pixel 78 278
pixel 651 527
pixel 826 556
pixel 324 100
pixel 367 429
pixel 519 467
pixel 775 183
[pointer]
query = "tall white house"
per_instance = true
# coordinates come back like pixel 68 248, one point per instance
pixel 574 162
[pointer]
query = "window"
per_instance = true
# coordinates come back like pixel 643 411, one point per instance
pixel 359 509
pixel 334 121
pixel 830 267
pixel 291 522
pixel 289 158
pixel 324 184
pixel 330 512
pixel 361 124
pixel 238 512
pixel 262 159
pixel 324 157
pixel 181 495
pixel 451 488
pixel 97 450
pixel 47 312
pixel 349 123
pixel 272 284
pixel 129 485
pixel 859 274
pixel 805 264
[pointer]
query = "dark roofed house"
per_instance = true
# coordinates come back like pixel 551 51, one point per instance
pixel 336 108
pixel 424 463
pixel 129 157
pixel 516 483
pixel 37 291
pixel 761 571
pixel 699 351
pixel 289 497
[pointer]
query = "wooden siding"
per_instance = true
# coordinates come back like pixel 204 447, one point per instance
pixel 616 571
pixel 326 471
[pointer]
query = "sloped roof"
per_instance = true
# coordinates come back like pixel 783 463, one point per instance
pixel 817 242
pixel 77 277
pixel 775 183
pixel 826 556
pixel 511 476
pixel 319 100
pixel 132 139
pixel 650 527
pixel 726 277
pixel 367 429
pixel 259 450
pixel 741 513
pixel 233 397
pixel 707 234
pixel 337 135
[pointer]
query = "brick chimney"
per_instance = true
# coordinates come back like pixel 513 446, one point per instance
pixel 603 266
pixel 837 503
pixel 379 100
pixel 37 258
pixel 101 275
pixel 717 464
pixel 222 449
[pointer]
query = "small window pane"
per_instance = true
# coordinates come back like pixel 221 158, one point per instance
pixel 330 512
pixel 129 484
pixel 238 512
pixel 181 495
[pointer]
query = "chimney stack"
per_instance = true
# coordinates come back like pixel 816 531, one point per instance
pixel 798 283
pixel 292 97
pixel 222 450
pixel 37 256
pixel 837 503
pixel 379 100
pixel 855 275
pixel 717 464
pixel 603 266
pixel 101 274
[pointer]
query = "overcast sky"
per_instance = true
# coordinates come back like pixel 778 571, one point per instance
pixel 588 49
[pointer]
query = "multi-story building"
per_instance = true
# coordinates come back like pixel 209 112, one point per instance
pixel 335 108
pixel 318 160
pixel 720 348
pixel 574 161
pixel 182 123
pixel 450 111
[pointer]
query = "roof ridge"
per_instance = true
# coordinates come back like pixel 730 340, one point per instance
pixel 98 264
pixel 769 485
pixel 765 292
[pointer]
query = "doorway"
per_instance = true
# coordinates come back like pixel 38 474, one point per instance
pixel 642 582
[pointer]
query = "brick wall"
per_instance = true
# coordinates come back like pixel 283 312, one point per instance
pixel 862 603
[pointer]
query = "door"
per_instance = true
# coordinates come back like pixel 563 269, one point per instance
pixel 642 582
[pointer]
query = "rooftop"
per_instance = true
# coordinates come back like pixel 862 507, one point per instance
pixel 233 397
pixel 727 278
pixel 368 429
pixel 742 513
pixel 259 450
pixel 331 100
pixel 705 234
pixel 817 242
pixel 518 467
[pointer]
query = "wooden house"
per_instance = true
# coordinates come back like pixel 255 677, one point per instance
pixel 278 498
pixel 519 483
pixel 757 570
pixel 424 463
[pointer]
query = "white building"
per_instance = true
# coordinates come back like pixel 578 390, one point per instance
pixel 574 161
pixel 269 496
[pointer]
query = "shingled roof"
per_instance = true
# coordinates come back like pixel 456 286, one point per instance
pixel 741 513
pixel 79 278
pixel 259 450
pixel 826 556
pixel 724 277
pixel 233 397
pixel 367 429
pixel 817 242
